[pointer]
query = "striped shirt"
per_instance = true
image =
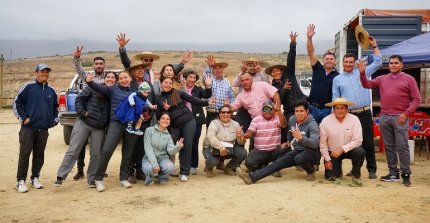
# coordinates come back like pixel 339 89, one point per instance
pixel 267 133
pixel 221 89
pixel 348 85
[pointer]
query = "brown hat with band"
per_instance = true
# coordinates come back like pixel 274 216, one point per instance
pixel 147 54
pixel 268 70
pixel 221 64
pixel 362 37
pixel 136 64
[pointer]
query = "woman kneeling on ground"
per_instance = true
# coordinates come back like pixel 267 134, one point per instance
pixel 158 147
pixel 224 139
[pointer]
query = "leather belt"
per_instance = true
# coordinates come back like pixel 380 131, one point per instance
pixel 359 110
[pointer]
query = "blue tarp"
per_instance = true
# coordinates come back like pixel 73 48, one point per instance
pixel 415 50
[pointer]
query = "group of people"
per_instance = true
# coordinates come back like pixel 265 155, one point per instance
pixel 160 113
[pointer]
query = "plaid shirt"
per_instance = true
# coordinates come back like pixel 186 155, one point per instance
pixel 221 89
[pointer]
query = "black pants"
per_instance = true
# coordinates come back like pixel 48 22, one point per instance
pixel 239 154
pixel 259 158
pixel 186 132
pixel 31 141
pixel 304 158
pixel 367 129
pixel 356 156
pixel 81 160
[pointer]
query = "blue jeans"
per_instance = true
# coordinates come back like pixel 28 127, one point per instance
pixel 319 113
pixel 166 168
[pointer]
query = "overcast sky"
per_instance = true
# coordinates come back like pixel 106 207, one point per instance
pixel 182 21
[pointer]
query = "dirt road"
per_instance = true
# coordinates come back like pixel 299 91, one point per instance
pixel 219 199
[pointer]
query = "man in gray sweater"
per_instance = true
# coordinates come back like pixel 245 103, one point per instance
pixel 303 138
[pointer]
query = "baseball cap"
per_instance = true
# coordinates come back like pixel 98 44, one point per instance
pixel 42 66
pixel 268 104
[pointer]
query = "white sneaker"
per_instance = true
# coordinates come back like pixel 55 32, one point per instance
pixel 21 187
pixel 36 184
pixel 125 183
pixel 183 178
pixel 193 171
pixel 100 185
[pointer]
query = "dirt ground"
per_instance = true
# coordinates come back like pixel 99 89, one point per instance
pixel 219 199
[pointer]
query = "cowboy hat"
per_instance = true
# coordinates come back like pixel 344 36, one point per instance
pixel 251 60
pixel 222 64
pixel 339 101
pixel 362 37
pixel 135 64
pixel 147 54
pixel 268 70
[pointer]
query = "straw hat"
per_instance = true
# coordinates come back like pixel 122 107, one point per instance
pixel 147 54
pixel 222 64
pixel 362 37
pixel 135 64
pixel 251 60
pixel 268 70
pixel 339 101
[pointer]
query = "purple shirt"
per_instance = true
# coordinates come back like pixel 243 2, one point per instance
pixel 399 92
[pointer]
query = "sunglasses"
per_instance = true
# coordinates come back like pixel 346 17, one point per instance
pixel 267 109
pixel 148 60
pixel 225 112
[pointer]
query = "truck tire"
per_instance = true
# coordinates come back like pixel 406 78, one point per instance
pixel 67 132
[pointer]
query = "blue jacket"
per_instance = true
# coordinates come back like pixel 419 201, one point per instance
pixel 38 102
pixel 127 113
pixel 115 93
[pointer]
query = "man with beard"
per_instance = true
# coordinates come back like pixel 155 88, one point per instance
pixel 99 78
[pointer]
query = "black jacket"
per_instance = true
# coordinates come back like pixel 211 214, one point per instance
pixel 180 115
pixel 289 97
pixel 97 106
pixel 198 113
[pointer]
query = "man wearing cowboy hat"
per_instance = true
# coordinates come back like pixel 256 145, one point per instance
pixel 251 66
pixel 341 138
pixel 221 88
pixel 284 79
pixel 147 58
pixel 322 79
pixel 400 97
pixel 347 85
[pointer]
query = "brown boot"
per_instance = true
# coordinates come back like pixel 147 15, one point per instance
pixel 209 172
pixel 310 176
pixel 244 176
pixel 220 165
pixel 229 171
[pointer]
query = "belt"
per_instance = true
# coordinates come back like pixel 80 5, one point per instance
pixel 212 110
pixel 359 110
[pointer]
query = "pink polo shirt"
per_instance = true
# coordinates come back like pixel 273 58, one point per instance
pixel 253 100
pixel 267 132
pixel 334 134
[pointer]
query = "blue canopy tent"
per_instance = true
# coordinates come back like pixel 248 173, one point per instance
pixel 415 51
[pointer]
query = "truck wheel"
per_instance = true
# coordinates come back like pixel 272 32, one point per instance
pixel 67 132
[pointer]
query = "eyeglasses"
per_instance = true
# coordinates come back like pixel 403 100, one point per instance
pixel 225 112
pixel 267 109
pixel 148 59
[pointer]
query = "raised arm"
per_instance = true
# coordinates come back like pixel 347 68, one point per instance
pixel 77 62
pixel 377 58
pixel 106 90
pixel 372 84
pixel 290 71
pixel 122 41
pixel 309 44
